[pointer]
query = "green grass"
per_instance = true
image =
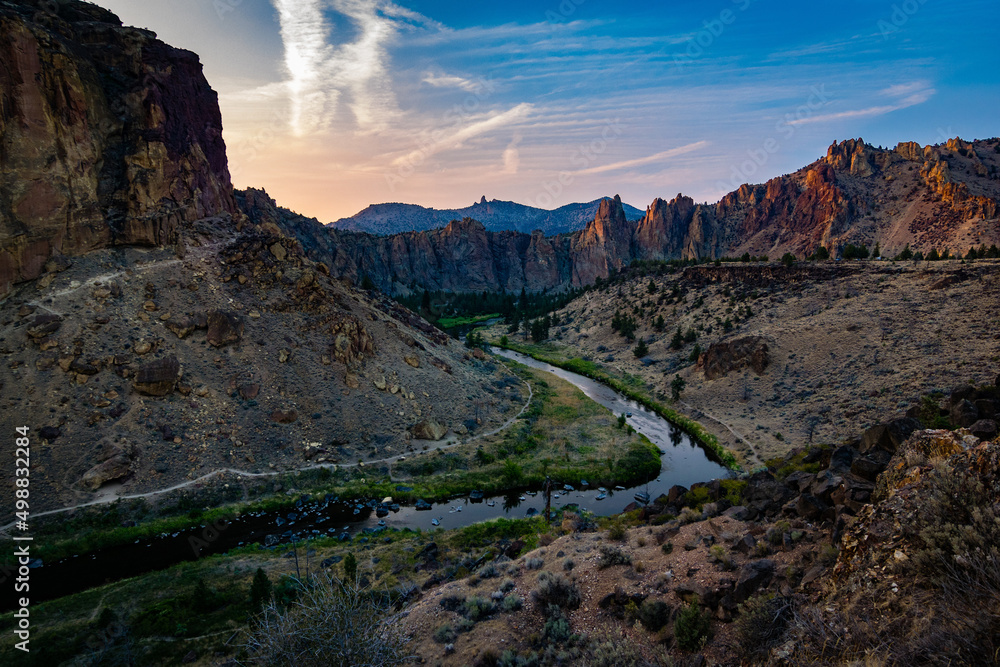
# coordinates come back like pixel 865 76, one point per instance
pixel 539 444
pixel 451 322
pixel 632 387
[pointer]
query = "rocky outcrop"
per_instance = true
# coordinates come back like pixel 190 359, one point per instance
pixel 856 194
pixel 725 357
pixel 109 137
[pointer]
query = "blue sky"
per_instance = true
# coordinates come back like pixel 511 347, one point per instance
pixel 332 105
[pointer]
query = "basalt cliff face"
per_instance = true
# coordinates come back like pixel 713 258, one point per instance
pixel 107 137
pixel 942 196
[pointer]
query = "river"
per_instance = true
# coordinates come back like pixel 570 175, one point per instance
pixel 683 463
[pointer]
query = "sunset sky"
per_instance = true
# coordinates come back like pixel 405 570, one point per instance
pixel 332 105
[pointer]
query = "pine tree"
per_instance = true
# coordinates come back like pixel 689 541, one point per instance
pixel 676 387
pixel 260 590
pixel 641 350
pixel 677 342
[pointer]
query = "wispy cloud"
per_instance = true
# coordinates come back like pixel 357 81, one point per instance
pixel 320 74
pixel 639 162
pixel 512 156
pixel 910 95
pixel 455 139
pixel 451 81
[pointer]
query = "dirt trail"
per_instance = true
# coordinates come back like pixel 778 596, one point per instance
pixel 108 495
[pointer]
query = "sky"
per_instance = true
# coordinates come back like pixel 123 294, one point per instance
pixel 332 105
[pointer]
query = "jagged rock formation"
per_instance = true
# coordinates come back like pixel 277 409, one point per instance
pixel 496 216
pixel 728 356
pixel 935 196
pixel 110 137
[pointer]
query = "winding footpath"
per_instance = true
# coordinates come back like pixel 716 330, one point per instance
pixel 695 412
pixel 110 498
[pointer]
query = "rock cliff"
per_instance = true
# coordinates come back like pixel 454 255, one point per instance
pixel 925 197
pixel 108 136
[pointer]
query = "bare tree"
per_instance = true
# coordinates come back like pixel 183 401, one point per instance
pixel 332 623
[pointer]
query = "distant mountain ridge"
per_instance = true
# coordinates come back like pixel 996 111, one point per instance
pixel 942 196
pixel 496 216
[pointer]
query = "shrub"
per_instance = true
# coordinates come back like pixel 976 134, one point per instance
pixel 477 608
pixel 721 556
pixel 654 614
pixel 691 627
pixel 663 581
pixel 445 634
pixel 534 563
pixel 453 602
pixel 761 624
pixel 569 564
pixel 616 531
pixel 667 547
pixel 733 490
pixel 689 515
pixel 554 588
pixel 611 556
pixel 511 603
pixel 332 622
pixel 557 628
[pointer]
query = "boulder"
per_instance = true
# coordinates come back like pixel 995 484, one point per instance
pixel 753 576
pixel 984 429
pixel 428 430
pixel 962 393
pixel 809 507
pixel 871 465
pixel 746 544
pixel 158 378
pixel 249 391
pixel 223 328
pixel 114 468
pixel 49 433
pixel 285 416
pixel 987 408
pixel 964 413
pixel 675 494
pixel 44 325
pixel 725 357
pixel 842 458
pixel 825 484
pixel 890 435
pixel 181 326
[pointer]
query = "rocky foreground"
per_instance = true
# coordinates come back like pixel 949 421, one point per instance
pixel 881 550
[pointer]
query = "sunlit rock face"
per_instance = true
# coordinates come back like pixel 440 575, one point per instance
pixel 108 136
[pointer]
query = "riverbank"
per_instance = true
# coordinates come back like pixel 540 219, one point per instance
pixel 634 390
pixel 561 434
